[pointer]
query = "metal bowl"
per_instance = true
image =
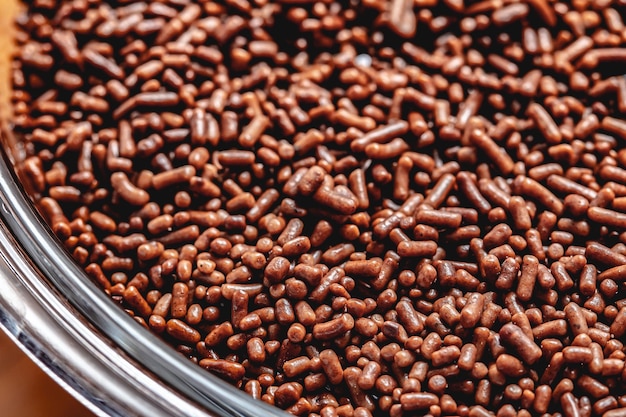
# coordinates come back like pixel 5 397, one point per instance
pixel 71 328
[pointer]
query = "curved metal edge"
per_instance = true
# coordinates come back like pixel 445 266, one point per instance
pixel 61 275
pixel 52 334
pixel 31 348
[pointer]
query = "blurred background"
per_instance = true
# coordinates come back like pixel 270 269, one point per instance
pixel 25 390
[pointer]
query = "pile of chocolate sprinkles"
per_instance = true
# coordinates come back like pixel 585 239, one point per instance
pixel 347 208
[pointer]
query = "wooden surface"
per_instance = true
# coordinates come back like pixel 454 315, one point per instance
pixel 8 9
pixel 25 390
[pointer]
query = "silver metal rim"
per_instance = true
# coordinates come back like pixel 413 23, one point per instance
pixel 82 339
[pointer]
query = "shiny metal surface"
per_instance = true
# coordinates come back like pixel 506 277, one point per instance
pixel 90 345
pixel 72 329
pixel 62 342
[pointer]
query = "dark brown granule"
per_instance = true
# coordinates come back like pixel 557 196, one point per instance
pixel 405 207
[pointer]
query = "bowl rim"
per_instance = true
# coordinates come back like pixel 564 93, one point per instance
pixel 49 275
